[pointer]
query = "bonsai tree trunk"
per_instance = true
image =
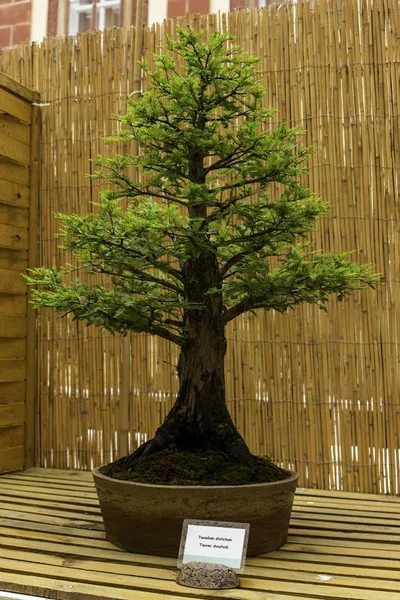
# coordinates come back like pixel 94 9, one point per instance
pixel 199 418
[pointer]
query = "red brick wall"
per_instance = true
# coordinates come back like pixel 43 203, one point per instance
pixel 237 4
pixel 177 8
pixel 52 18
pixel 15 21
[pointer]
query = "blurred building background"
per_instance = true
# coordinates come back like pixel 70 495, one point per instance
pixel 32 20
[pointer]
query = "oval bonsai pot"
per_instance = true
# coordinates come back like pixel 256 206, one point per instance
pixel 147 519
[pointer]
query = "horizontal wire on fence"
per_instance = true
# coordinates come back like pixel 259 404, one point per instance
pixel 238 339
pixel 300 68
pixel 354 117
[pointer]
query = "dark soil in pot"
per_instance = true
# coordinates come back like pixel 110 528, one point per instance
pixel 182 467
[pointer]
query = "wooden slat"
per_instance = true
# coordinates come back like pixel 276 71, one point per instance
pixel 315 557
pixel 28 493
pixel 11 437
pixel 14 150
pixel 15 216
pixel 10 84
pixel 11 282
pixel 341 540
pixel 12 414
pixel 347 517
pixel 61 494
pixel 61 474
pixel 330 548
pixel 14 183
pixel 377 506
pixel 39 511
pixel 65 507
pixel 13 260
pixel 14 129
pixel 14 238
pixel 58 525
pixel 335 495
pixel 49 484
pixel 11 459
pixel 11 304
pixel 53 481
pixel 40 533
pixel 12 327
pixel 11 105
pixel 12 370
pixel 12 392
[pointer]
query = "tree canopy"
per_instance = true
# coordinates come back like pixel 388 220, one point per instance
pixel 209 157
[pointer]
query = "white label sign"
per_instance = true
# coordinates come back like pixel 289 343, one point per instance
pixel 214 542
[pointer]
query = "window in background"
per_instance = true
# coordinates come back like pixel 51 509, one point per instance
pixel 85 15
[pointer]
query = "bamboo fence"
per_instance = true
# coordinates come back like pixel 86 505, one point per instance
pixel 318 392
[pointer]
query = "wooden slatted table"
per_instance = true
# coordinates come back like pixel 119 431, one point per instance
pixel 341 546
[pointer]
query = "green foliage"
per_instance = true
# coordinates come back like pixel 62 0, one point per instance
pixel 209 157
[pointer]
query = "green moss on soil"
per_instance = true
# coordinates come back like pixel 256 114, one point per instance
pixel 181 467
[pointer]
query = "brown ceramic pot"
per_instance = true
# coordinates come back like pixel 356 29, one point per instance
pixel 147 519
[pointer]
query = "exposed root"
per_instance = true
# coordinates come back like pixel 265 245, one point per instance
pixel 234 448
pixel 156 444
pixel 238 451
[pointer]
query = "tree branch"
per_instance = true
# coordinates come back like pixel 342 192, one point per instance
pixel 143 276
pixel 155 329
pixel 251 237
pixel 241 307
pixel 158 264
pixel 145 191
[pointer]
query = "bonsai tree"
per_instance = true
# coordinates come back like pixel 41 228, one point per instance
pixel 216 227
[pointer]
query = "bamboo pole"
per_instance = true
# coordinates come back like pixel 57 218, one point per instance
pixel 126 350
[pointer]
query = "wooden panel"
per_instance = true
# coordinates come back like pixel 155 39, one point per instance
pixel 12 392
pixel 13 215
pixel 12 348
pixel 13 327
pixel 12 305
pixel 15 106
pixel 12 414
pixel 13 149
pixel 16 260
pixel 14 129
pixel 14 238
pixel 11 459
pixel 17 174
pixel 16 192
pixel 12 437
pixel 12 370
pixel 11 282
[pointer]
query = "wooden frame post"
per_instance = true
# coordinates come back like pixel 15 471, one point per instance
pixel 31 362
